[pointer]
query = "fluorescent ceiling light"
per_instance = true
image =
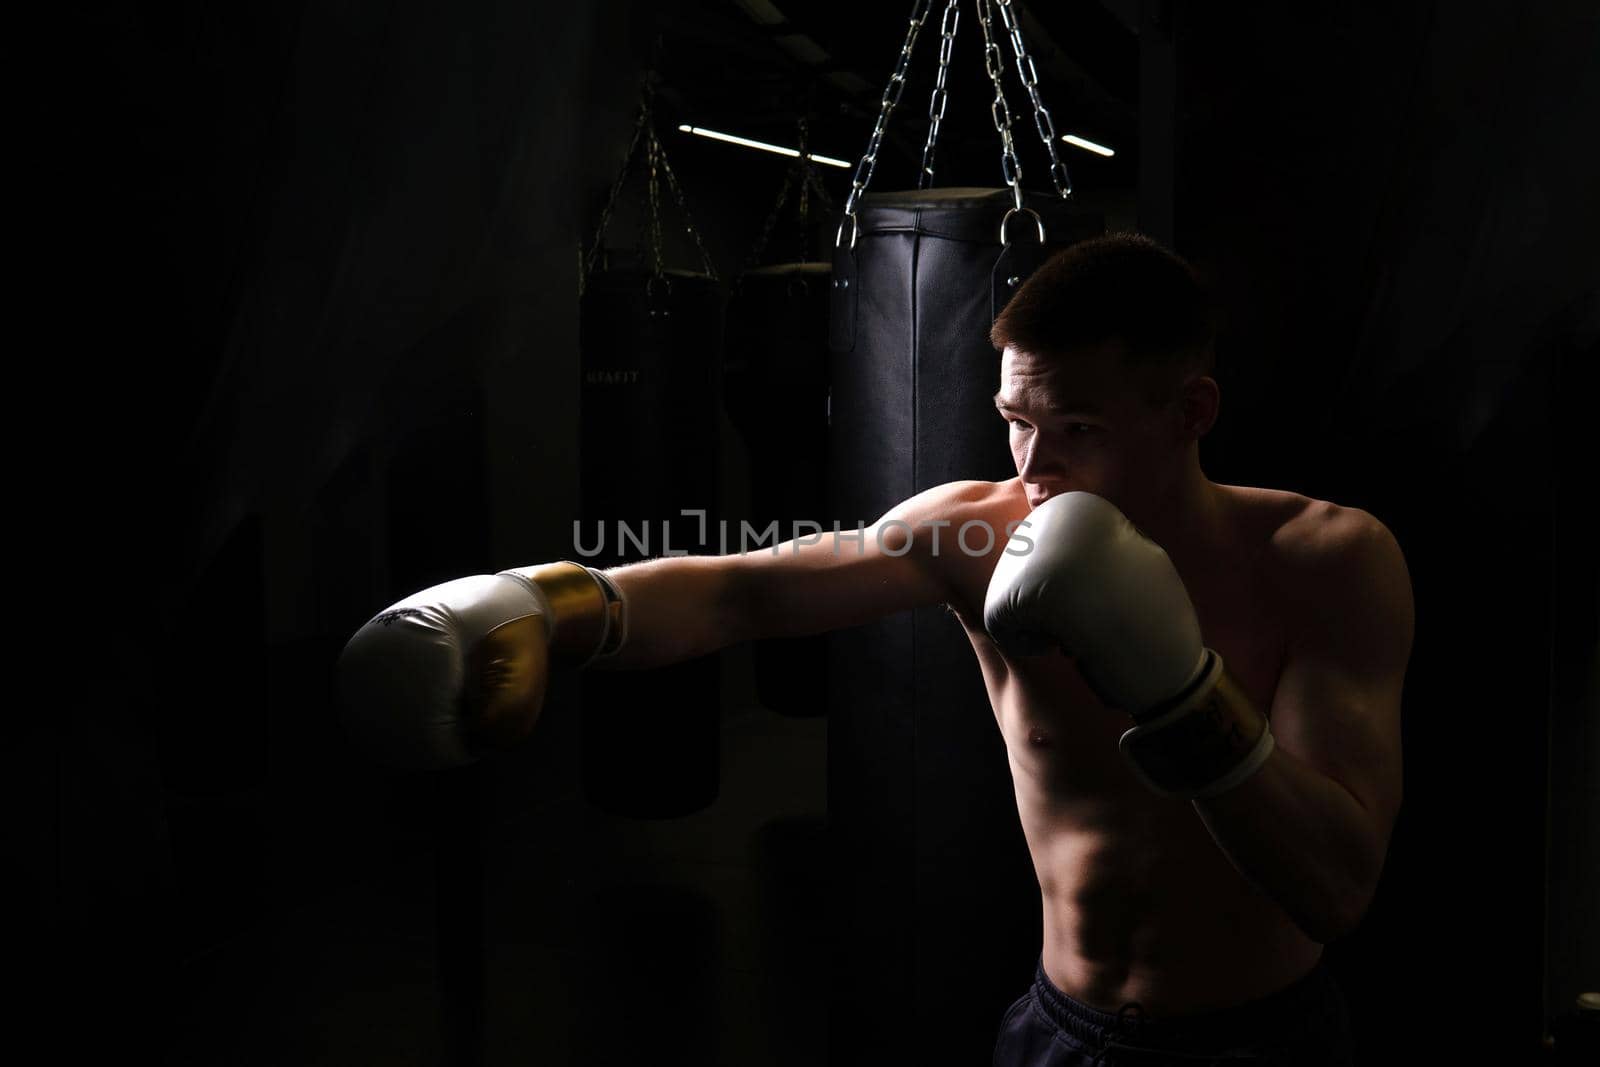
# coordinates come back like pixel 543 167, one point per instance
pixel 1097 149
pixel 761 12
pixel 802 48
pixel 848 81
pixel 731 139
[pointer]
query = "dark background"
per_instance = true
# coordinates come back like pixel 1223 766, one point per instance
pixel 320 319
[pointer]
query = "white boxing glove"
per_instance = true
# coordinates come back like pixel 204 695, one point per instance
pixel 447 674
pixel 1106 594
pixel 1079 575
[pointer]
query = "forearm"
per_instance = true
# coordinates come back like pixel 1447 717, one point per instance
pixel 1302 839
pixel 678 607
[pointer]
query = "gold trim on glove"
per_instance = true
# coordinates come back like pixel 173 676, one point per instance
pixel 616 615
pixel 579 612
pixel 505 680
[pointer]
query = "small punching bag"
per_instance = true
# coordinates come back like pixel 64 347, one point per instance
pixel 648 421
pixel 776 397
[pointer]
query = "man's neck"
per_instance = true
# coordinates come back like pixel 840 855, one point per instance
pixel 1187 521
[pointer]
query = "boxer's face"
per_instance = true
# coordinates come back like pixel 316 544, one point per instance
pixel 1082 422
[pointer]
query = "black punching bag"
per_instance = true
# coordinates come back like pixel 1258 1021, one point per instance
pixel 649 451
pixel 935 901
pixel 776 397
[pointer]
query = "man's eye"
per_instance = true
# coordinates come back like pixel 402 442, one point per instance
pixel 1018 423
pixel 1081 427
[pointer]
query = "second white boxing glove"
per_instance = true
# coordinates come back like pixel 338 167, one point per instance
pixel 1108 596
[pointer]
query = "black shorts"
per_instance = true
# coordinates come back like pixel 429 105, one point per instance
pixel 1307 1022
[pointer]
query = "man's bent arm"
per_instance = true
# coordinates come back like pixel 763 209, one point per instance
pixel 1303 840
pixel 1311 828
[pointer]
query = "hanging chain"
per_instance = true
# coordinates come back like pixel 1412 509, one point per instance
pixel 824 198
pixel 808 174
pixel 650 226
pixel 999 110
pixel 821 190
pixel 807 181
pixel 891 97
pixel 654 222
pixel 994 62
pixel 941 98
pixel 683 206
pixel 804 168
pixel 1041 114
pixel 766 227
pixel 611 200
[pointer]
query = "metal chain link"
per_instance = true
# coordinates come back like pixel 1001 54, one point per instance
pixel 808 181
pixel 766 227
pixel 941 98
pixel 588 262
pixel 812 185
pixel 654 221
pixel 824 199
pixel 808 173
pixel 1041 114
pixel 891 97
pixel 999 110
pixel 805 168
pixel 821 191
pixel 683 206
pixel 650 226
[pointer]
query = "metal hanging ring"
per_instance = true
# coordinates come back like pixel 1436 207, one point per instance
pixel 650 284
pixel 839 235
pixel 1037 221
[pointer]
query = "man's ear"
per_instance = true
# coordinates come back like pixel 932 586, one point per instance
pixel 1198 404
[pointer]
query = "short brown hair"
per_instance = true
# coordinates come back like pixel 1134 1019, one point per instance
pixel 1121 286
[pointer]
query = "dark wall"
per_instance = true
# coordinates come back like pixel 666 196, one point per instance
pixel 1396 208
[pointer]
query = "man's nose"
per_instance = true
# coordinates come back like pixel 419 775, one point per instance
pixel 1043 466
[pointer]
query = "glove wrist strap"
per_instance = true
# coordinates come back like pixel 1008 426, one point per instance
pixel 1207 741
pixel 585 610
pixel 616 615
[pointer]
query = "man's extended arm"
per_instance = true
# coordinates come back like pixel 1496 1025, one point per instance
pixel 685 606
pixel 461 668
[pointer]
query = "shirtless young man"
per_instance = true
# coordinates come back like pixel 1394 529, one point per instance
pixel 1187 891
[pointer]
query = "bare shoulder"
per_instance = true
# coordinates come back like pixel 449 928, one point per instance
pixel 1336 566
pixel 957 531
pixel 816 583
pixel 952 505
pixel 1309 536
pixel 966 495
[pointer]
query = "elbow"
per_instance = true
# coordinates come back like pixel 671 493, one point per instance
pixel 1337 918
pixel 1327 931
pixel 1348 896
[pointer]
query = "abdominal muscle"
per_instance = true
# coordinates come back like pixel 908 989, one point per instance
pixel 1139 902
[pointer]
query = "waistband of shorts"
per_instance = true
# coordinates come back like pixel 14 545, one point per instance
pixel 1236 1024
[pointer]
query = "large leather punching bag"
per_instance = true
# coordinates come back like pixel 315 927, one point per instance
pixel 935 903
pixel 649 447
